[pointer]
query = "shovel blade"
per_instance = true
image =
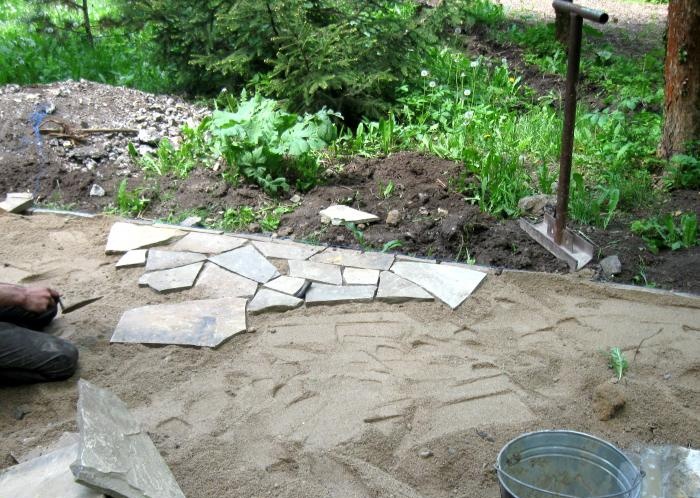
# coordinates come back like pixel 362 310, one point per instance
pixel 576 251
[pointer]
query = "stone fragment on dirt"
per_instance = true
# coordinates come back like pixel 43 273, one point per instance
pixel 126 236
pixel 535 204
pixel 173 279
pixel 360 276
pixel 247 262
pixel 135 257
pixel 316 272
pixel 97 191
pixel 149 136
pixel 17 202
pixel 339 213
pixel 608 400
pixel 395 289
pixel 393 217
pixel 159 259
pixel 294 286
pixel 336 294
pixel 286 249
pixel 215 282
pixel 207 243
pixel 116 456
pixel 611 265
pixel 191 221
pixel 270 300
pixel 356 259
pixel 207 322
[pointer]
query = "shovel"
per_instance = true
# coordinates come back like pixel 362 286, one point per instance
pixel 552 233
pixel 76 305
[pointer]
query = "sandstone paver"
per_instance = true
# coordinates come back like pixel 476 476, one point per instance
pixel 126 236
pixel 173 279
pixel 247 262
pixel 356 259
pixel 395 289
pixel 339 213
pixel 135 257
pixel 335 294
pixel 270 300
pixel 317 272
pixel 216 282
pixel 360 276
pixel 286 250
pixel 163 260
pixel 294 286
pixel 207 243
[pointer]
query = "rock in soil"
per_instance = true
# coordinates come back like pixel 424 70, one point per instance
pixel 393 217
pixel 611 265
pixel 608 400
pixel 536 204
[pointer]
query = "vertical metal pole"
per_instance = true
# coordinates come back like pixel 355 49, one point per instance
pixel 567 138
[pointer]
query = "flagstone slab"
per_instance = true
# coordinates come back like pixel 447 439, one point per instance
pixel 115 454
pixel 270 300
pixel 207 243
pixel 17 202
pixel 415 259
pixel 189 228
pixel 451 284
pixel 172 280
pixel 360 276
pixel 339 213
pixel 215 282
pixel 124 237
pixel 294 286
pixel 317 272
pixel 206 322
pixel 47 476
pixel 135 257
pixel 356 259
pixel 286 250
pixel 395 289
pixel 335 294
pixel 164 260
pixel 247 262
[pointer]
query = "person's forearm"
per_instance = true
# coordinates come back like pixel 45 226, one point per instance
pixel 11 295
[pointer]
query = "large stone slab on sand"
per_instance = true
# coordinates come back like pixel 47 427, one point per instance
pixel 135 257
pixel 164 260
pixel 451 284
pixel 215 282
pixel 339 213
pixel 335 294
pixel 248 263
pixel 127 236
pixel 172 280
pixel 395 289
pixel 47 476
pixel 294 286
pixel 286 250
pixel 17 202
pixel 206 322
pixel 317 272
pixel 270 300
pixel 356 259
pixel 207 243
pixel 360 276
pixel 115 454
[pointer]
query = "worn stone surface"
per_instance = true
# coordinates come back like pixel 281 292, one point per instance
pixel 451 284
pixel 47 476
pixel 97 191
pixel 393 217
pixel 270 300
pixel 395 289
pixel 115 454
pixel 611 265
pixel 173 279
pixel 207 243
pixel 286 250
pixel 247 262
pixel 126 236
pixel 215 282
pixel 66 439
pixel 191 222
pixel 135 257
pixel 17 202
pixel 360 276
pixel 339 213
pixel 334 294
pixel 207 322
pixel 163 260
pixel 608 400
pixel 190 229
pixel 536 204
pixel 402 257
pixel 356 259
pixel 294 286
pixel 317 272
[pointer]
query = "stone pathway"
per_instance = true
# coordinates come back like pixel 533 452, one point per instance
pixel 275 275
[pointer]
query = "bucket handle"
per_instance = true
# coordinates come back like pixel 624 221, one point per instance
pixel 637 482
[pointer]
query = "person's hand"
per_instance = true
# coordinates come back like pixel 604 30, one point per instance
pixel 39 299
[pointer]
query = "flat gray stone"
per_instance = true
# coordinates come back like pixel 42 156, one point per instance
pixel 185 228
pixel 207 322
pixel 207 243
pixel 124 237
pixel 451 284
pixel 17 202
pixel 415 259
pixel 135 257
pixel 66 439
pixel 247 262
pixel 317 272
pixel 215 282
pixel 339 213
pixel 395 289
pixel 611 265
pixel 356 259
pixel 115 454
pixel 294 286
pixel 270 300
pixel 47 476
pixel 172 280
pixel 286 250
pixel 164 260
pixel 335 294
pixel 360 276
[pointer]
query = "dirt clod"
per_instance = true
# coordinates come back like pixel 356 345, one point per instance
pixel 608 400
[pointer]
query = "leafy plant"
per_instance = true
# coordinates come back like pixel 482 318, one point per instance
pixel 130 202
pixel 594 206
pixel 391 245
pixel 617 362
pixel 683 172
pixel 240 218
pixel 357 233
pixel 662 232
pixel 387 189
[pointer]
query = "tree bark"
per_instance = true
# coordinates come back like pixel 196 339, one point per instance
pixel 561 28
pixel 682 72
pixel 86 23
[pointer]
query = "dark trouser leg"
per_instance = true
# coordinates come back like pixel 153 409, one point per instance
pixel 27 319
pixel 27 356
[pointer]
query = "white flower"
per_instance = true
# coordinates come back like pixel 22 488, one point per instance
pixel 463 74
pixel 458 30
pixel 467 92
pixel 424 73
pixel 474 63
pixel 468 115
pixel 432 84
pixel 224 90
pixel 504 61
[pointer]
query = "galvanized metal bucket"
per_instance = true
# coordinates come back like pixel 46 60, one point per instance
pixel 565 464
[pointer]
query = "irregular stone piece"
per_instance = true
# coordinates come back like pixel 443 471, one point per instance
pixel 126 236
pixel 96 191
pixel 402 257
pixel 173 279
pixel 187 229
pixel 47 476
pixel 334 294
pixel 191 221
pixel 357 259
pixel 207 322
pixel 270 300
pixel 360 276
pixel 339 213
pixel 135 257
pixel 450 284
pixel 611 265
pixel 293 286
pixel 207 243
pixel 247 262
pixel 216 282
pixel 286 250
pixel 318 272
pixel 394 289
pixel 536 204
pixel 115 454
pixel 17 202
pixel 163 260
pixel 66 439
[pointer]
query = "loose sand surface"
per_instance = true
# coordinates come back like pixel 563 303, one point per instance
pixel 348 401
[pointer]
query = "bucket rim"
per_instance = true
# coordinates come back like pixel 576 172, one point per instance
pixel 635 484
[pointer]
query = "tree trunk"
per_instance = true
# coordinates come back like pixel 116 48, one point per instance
pixel 682 71
pixel 86 23
pixel 561 28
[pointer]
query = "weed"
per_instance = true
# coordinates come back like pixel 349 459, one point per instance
pixel 387 190
pixel 358 234
pixel 129 202
pixel 662 232
pixel 391 245
pixel 617 362
pixel 683 172
pixel 269 217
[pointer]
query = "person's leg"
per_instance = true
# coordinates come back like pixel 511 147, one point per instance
pixel 27 319
pixel 27 356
